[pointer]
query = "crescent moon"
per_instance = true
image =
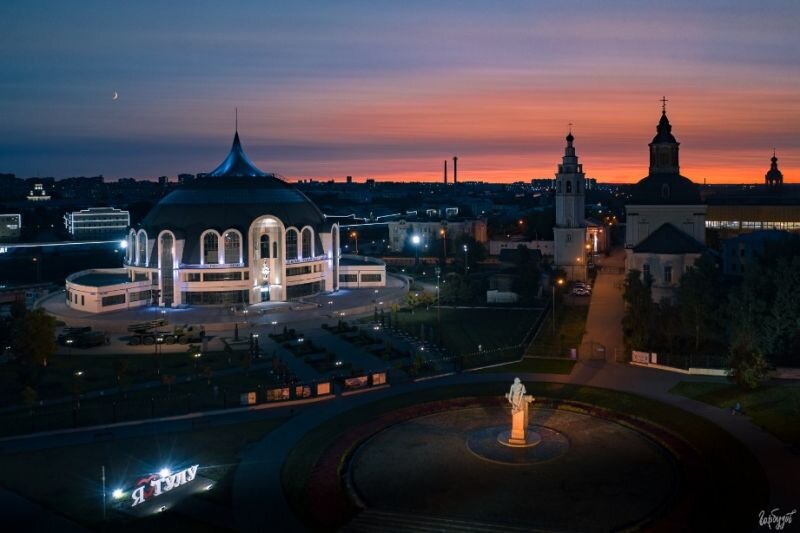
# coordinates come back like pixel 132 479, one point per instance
pixel 116 96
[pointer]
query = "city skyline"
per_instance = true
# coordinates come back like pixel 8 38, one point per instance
pixel 384 92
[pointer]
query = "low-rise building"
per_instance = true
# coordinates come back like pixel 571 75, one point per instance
pixel 10 227
pixel 106 222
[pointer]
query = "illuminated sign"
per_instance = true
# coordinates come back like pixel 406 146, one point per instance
pixel 155 485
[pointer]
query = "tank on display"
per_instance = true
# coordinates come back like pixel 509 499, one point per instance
pixel 81 337
pixel 150 333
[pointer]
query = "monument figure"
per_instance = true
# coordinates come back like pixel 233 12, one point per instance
pixel 519 399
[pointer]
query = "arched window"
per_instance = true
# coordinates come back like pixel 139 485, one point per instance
pixel 569 237
pixel 130 253
pixel 558 185
pixel 232 243
pixel 307 242
pixel 167 260
pixel 210 249
pixel 264 246
pixel 141 248
pixel 275 249
pixel 665 191
pixel 569 186
pixel 291 244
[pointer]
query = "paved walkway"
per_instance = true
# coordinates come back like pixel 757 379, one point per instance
pixel 260 505
pixel 603 324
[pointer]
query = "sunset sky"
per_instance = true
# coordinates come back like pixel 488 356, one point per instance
pixel 389 90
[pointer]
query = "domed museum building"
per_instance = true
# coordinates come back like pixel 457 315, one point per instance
pixel 236 235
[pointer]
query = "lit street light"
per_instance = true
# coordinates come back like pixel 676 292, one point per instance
pixel 415 240
pixel 466 259
pixel 558 282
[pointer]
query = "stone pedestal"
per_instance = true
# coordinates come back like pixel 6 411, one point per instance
pixel 519 425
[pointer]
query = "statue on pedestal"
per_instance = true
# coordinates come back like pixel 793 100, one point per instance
pixel 519 401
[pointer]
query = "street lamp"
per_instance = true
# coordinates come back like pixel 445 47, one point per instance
pixel 443 233
pixel 466 259
pixel 354 236
pixel 415 240
pixel 38 276
pixel 558 282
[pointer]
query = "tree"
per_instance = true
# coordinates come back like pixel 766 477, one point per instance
pixel 639 311
pixel 698 301
pixel 34 338
pixel 748 365
pixel 527 275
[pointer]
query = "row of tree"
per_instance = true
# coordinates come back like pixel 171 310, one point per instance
pixel 754 321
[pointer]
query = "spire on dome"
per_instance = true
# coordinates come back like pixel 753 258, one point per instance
pixel 237 163
pixel 774 176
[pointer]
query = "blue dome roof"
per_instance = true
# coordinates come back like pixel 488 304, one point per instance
pixel 231 197
pixel 237 163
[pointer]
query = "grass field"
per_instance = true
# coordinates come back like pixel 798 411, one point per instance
pixel 70 483
pixel 569 330
pixel 738 493
pixel 99 371
pixel 776 408
pixel 463 330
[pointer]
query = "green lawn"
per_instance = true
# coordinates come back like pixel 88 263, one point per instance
pixel 776 408
pixel 740 486
pixel 569 330
pixel 463 330
pixel 178 399
pixel 70 484
pixel 538 364
pixel 99 371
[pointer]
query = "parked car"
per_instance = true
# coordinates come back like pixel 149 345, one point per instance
pixel 578 291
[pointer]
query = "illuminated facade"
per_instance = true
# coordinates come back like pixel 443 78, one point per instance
pixel 665 229
pixel 234 236
pixel 569 233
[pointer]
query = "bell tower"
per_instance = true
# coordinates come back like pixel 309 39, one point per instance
pixel 570 230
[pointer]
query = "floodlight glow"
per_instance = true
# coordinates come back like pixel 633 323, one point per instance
pixel 118 494
pixel 164 472
pixel 415 239
pixel 123 244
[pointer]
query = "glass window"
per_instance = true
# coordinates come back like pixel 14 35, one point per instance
pixel 193 276
pixel 569 186
pixel 222 276
pixel 264 245
pixel 232 245
pixel 298 271
pixel 141 248
pixel 307 242
pixel 370 277
pixel 291 244
pixel 348 278
pixel 667 274
pixel 646 272
pixel 113 300
pixel 210 249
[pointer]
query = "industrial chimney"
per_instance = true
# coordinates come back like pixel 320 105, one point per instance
pixel 455 170
pixel 445 171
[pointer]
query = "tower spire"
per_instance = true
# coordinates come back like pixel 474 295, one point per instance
pixel 664 105
pixel 236 112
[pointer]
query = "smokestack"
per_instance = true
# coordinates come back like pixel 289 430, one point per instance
pixel 455 170
pixel 445 171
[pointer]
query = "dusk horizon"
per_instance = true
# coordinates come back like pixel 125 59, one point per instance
pixel 381 92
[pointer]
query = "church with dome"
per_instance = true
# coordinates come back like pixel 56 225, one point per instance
pixel 665 228
pixel 236 235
